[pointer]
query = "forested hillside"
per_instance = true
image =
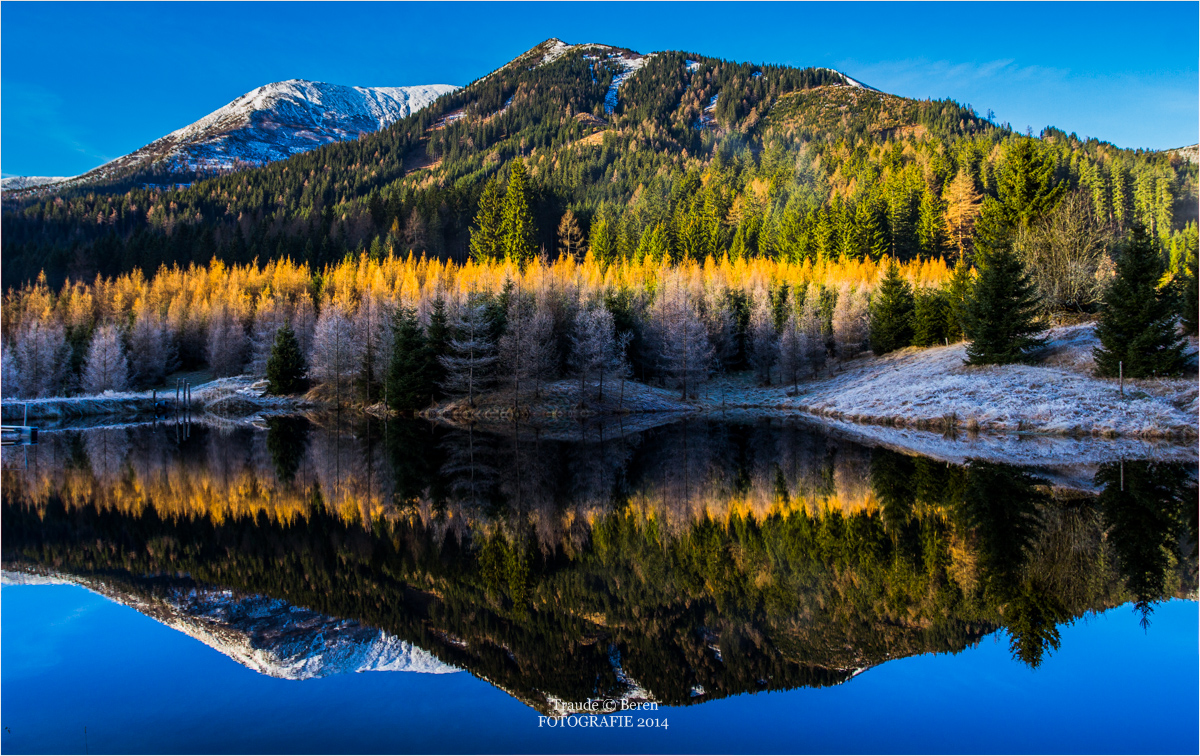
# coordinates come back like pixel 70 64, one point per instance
pixel 673 153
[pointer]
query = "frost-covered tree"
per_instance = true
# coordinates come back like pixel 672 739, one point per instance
pixel 269 317
pixel 850 322
pixel 336 360
pixel 792 358
pixel 226 345
pixel 685 355
pixel 151 351
pixel 528 350
pixel 812 331
pixel 595 348
pixel 105 368
pixel 471 359
pixel 761 347
pixel 41 353
pixel 10 377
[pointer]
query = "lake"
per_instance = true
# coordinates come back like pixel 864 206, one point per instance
pixel 743 584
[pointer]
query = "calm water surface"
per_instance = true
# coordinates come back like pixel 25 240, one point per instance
pixel 759 586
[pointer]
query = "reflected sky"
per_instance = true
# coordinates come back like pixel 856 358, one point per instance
pixel 72 659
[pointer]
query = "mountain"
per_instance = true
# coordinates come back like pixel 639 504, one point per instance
pixel 270 123
pixel 725 157
pixel 267 635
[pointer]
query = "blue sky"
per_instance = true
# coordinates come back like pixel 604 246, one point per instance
pixel 83 83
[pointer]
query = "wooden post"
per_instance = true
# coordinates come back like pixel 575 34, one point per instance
pixel 154 402
pixel 1121 376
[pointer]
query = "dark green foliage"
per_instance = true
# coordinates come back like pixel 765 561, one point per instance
pixel 437 340
pixel 286 367
pixel 485 235
pixel 892 313
pixel 1137 322
pixel 958 293
pixel 518 236
pixel 409 385
pixel 287 442
pixel 1144 504
pixel 932 314
pixel 1189 301
pixel 1026 185
pixel 1001 313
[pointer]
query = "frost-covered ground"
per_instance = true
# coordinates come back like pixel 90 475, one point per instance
pixel 239 396
pixel 932 388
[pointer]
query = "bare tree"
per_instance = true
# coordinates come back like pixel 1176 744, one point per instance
pixel 850 324
pixel 1065 254
pixel 269 317
pixel 105 368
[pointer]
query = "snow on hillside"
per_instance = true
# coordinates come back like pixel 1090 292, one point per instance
pixel 13 183
pixel 851 82
pixel 275 122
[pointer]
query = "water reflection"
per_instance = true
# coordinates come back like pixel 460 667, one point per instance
pixel 679 563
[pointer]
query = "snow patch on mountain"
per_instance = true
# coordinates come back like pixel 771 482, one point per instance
pixel 275 122
pixel 13 183
pixel 848 81
pixel 630 65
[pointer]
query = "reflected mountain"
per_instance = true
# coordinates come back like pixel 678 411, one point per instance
pixel 679 563
pixel 267 635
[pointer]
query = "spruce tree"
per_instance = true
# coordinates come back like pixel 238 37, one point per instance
pixel 408 382
pixel 1001 313
pixel 485 236
pixel 517 233
pixel 285 366
pixel 958 293
pixel 1137 324
pixel 931 315
pixel 892 313
pixel 437 342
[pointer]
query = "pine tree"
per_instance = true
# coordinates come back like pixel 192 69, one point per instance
pixel 1137 324
pixel 470 363
pixel 892 313
pixel 603 244
pixel 1001 313
pixel 408 383
pixel 485 235
pixel 285 367
pixel 518 236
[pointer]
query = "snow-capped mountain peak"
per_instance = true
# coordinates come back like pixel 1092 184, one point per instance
pixel 274 122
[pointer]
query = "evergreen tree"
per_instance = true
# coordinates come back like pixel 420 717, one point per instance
pixel 958 293
pixel 518 236
pixel 485 236
pixel 285 366
pixel 931 231
pixel 408 381
pixel 437 342
pixel 892 313
pixel 931 314
pixel 1001 313
pixel 1137 324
